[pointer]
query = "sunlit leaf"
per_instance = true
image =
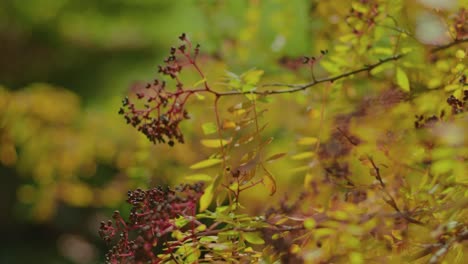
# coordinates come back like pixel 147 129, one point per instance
pixel 303 155
pixel 253 238
pixel 402 80
pixel 252 77
pixel 214 143
pixel 181 221
pixel 460 54
pixel 294 249
pixel 451 87
pixel 206 198
pixel 193 256
pixel 209 128
pixel 310 223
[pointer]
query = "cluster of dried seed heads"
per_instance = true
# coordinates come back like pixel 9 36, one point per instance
pixel 163 107
pixel 145 235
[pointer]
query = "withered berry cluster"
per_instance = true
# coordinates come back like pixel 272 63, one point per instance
pixel 164 108
pixel 152 218
pixel 458 106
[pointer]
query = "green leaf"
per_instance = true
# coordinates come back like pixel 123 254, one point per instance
pixel 206 198
pixel 460 54
pixel 181 222
pixel 402 80
pixel 193 255
pixel 248 88
pixel 234 81
pixel 205 163
pixel 209 128
pixel 253 238
pixel 309 223
pixel 252 77
pixel 199 177
pixel 451 87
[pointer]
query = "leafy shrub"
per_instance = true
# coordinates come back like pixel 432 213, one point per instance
pixel 384 169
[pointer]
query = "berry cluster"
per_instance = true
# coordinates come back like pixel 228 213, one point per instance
pixel 152 219
pixel 458 106
pixel 163 108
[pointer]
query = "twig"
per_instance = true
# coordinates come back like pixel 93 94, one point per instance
pixel 300 87
pixel 390 200
pixel 453 43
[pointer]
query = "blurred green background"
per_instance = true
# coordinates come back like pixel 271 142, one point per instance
pixel 66 157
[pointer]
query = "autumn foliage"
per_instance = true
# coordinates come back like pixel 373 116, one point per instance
pixel 356 152
pixel 385 170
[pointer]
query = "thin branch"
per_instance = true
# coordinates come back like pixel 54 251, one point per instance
pixel 446 46
pixel 390 200
pixel 300 87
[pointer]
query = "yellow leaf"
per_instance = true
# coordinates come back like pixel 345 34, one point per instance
pixel 269 181
pixel 228 124
pixel 205 163
pixel 252 76
pixel 402 80
pixel 206 198
pixel 303 155
pixel 209 128
pixel 451 87
pixel 309 223
pixel 356 258
pixel 294 249
pixel 201 228
pixel 214 143
pixel 198 177
pixel 460 54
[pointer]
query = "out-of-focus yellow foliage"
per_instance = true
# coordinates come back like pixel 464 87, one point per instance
pixel 83 157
